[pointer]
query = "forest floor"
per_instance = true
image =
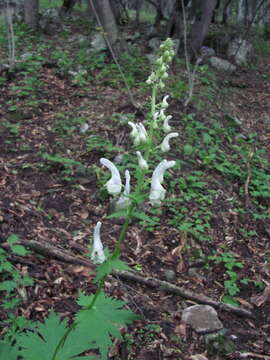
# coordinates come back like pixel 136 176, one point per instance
pixel 210 237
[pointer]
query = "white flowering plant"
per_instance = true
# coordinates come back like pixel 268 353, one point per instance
pixel 101 316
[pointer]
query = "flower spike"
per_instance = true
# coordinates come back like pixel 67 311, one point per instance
pixel 114 185
pixel 97 256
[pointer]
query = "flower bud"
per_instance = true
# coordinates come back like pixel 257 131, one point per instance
pixel 97 255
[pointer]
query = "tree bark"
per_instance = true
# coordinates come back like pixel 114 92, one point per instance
pixel 31 13
pixel 200 27
pixel 103 10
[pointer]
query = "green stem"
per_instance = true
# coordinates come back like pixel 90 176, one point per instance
pixel 122 234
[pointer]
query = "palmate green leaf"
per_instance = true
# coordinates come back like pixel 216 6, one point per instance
pixel 103 320
pixel 42 343
pixel 108 266
pixel 8 352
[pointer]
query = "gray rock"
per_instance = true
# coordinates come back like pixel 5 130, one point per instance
pixel 239 50
pixel 221 64
pixel 169 274
pixel 118 159
pixel 84 127
pixel 154 43
pixel 207 52
pixel 202 318
pixel 151 57
pixel 50 22
pixel 78 38
pixel 98 43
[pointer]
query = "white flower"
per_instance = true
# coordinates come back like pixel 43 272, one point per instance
pixel 97 256
pixel 138 133
pixel 164 103
pixel 123 202
pixel 157 192
pixel 142 163
pixel 161 116
pixel 166 126
pixel 134 132
pixel 142 132
pixel 165 146
pixel 114 185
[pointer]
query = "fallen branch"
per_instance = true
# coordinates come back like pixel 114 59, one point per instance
pixel 187 294
pixel 64 256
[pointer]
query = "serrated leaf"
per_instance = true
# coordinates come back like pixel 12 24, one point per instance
pixel 8 352
pixel 13 238
pixel 8 285
pixel 229 300
pixel 103 320
pixel 19 250
pixel 47 336
pixel 188 149
pixel 117 214
pixel 144 217
pixel 108 266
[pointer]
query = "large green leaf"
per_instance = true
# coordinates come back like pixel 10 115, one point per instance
pixel 42 343
pixel 103 320
pixel 8 352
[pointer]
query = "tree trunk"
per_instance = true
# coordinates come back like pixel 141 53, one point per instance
pixel 265 17
pixel 200 27
pixel 226 11
pixel 241 12
pixel 67 7
pixel 31 13
pixel 106 17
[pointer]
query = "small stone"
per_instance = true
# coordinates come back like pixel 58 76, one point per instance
pixel 118 159
pixel 202 318
pixel 169 274
pixel 83 128
pixel 221 64
pixel 98 43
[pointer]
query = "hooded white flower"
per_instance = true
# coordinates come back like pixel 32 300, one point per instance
pixel 166 126
pixel 123 202
pixel 164 103
pixel 157 192
pixel 114 185
pixel 134 133
pixel 161 116
pixel 97 256
pixel 142 132
pixel 165 146
pixel 142 163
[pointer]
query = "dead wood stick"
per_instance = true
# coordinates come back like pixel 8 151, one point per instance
pixel 51 251
pixel 62 255
pixel 187 294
